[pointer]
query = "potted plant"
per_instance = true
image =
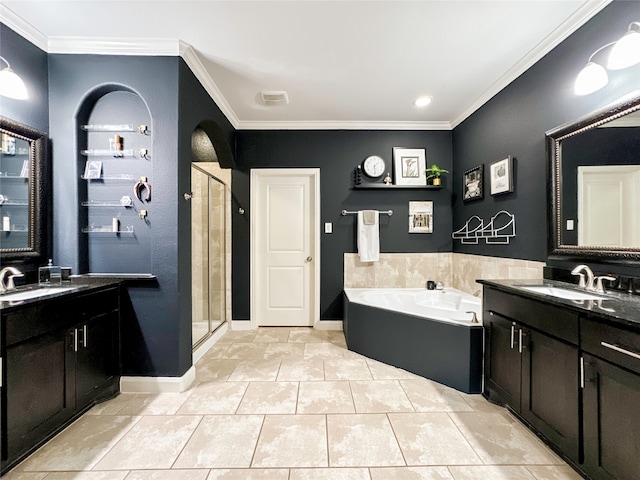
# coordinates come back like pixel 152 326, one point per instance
pixel 433 174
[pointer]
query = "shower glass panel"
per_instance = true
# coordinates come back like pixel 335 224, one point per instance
pixel 207 253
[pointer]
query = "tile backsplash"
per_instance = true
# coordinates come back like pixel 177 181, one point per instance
pixel 412 270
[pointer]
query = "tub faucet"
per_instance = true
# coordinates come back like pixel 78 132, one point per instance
pixel 6 278
pixel 588 284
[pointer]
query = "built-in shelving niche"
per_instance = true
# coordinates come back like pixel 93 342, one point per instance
pixel 114 132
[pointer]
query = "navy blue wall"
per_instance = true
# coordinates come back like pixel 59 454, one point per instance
pixel 337 153
pixel 514 123
pixel 30 63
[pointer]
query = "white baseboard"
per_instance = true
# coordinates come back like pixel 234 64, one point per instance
pixel 241 325
pixel 328 325
pixel 158 384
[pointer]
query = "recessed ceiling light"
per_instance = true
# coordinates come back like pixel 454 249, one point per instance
pixel 422 101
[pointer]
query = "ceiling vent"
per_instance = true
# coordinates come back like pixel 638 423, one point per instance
pixel 274 98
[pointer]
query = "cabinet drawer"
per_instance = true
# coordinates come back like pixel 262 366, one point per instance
pixel 556 321
pixel 612 343
pixel 98 303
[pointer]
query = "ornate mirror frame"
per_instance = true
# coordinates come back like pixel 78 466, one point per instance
pixel 38 200
pixel 556 249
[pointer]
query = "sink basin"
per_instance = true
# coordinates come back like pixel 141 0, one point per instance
pixel 29 294
pixel 563 293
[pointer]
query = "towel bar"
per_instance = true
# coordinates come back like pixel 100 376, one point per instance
pixel 347 212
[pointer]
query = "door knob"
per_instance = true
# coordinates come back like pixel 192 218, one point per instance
pixel 309 259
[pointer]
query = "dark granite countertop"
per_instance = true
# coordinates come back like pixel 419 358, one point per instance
pixel 618 308
pixel 77 284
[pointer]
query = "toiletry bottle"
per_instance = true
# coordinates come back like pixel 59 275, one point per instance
pixel 49 275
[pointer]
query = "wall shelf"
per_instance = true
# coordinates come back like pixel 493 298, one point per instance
pixel 143 129
pixel 123 177
pixel 382 186
pixel 107 229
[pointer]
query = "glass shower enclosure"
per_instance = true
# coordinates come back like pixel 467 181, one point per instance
pixel 208 252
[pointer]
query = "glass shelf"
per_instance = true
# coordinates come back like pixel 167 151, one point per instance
pixel 107 128
pixel 107 229
pixel 17 203
pixel 15 230
pixel 110 203
pixel 143 129
pixel 108 153
pixel 122 178
pixel 12 176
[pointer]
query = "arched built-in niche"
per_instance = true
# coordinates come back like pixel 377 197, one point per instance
pixel 114 152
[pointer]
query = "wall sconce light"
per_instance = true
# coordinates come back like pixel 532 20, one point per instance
pixel 11 85
pixel 625 53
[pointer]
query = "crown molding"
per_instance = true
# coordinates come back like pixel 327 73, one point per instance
pixel 193 61
pixel 109 46
pixel 334 125
pixel 575 21
pixel 23 28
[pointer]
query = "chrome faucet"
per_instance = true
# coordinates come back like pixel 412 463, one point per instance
pixel 6 278
pixel 588 284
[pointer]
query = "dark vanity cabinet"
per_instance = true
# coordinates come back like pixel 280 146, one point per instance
pixel 611 399
pixel 571 372
pixel 60 356
pixel 532 365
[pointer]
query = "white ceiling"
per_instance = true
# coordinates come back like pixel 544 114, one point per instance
pixel 344 64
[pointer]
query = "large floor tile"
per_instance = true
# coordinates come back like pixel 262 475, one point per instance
pixel 500 440
pixel 412 473
pixel 272 335
pixel 324 351
pixel 81 445
pixel 492 472
pixel 431 439
pixel 112 406
pixel 301 370
pixel 153 442
pixel 155 404
pixel 553 472
pixel 214 398
pixel 428 396
pixel 380 396
pixel 168 475
pixel 362 441
pixel 330 474
pixel 325 397
pixel 249 474
pixel 284 350
pixel 215 371
pixel 292 441
pixel 347 369
pixel 270 398
pixel 15 474
pixel 308 335
pixel 246 351
pixel 222 441
pixel 255 371
pixel 382 371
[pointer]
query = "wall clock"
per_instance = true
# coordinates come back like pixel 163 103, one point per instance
pixel 373 166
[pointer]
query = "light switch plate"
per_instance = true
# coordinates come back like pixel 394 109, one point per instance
pixel 328 227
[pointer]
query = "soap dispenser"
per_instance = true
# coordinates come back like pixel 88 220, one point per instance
pixel 50 275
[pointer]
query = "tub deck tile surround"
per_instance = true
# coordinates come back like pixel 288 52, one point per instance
pixel 412 270
pixel 347 418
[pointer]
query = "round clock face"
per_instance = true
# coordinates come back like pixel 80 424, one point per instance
pixel 373 166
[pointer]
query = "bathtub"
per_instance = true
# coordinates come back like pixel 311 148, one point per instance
pixel 426 332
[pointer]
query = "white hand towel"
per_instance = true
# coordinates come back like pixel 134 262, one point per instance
pixel 369 236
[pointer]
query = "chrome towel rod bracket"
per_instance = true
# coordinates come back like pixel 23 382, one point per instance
pixel 347 212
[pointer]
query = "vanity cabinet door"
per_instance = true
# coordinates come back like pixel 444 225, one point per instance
pixel 502 360
pixel 550 390
pixel 97 358
pixel 611 423
pixel 38 399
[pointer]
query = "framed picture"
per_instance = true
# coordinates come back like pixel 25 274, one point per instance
pixel 92 170
pixel 501 174
pixel 420 217
pixel 473 184
pixel 409 165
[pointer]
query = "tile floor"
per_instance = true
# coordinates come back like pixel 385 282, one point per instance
pixel 295 404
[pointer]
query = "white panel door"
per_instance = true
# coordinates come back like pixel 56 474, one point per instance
pixel 284 229
pixel 607 202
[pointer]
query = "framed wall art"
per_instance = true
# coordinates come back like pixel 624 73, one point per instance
pixel 420 217
pixel 473 184
pixel 501 176
pixel 409 165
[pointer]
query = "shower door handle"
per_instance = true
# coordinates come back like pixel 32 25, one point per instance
pixel 309 259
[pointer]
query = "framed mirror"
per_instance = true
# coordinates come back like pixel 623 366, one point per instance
pixel 23 202
pixel 594 185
